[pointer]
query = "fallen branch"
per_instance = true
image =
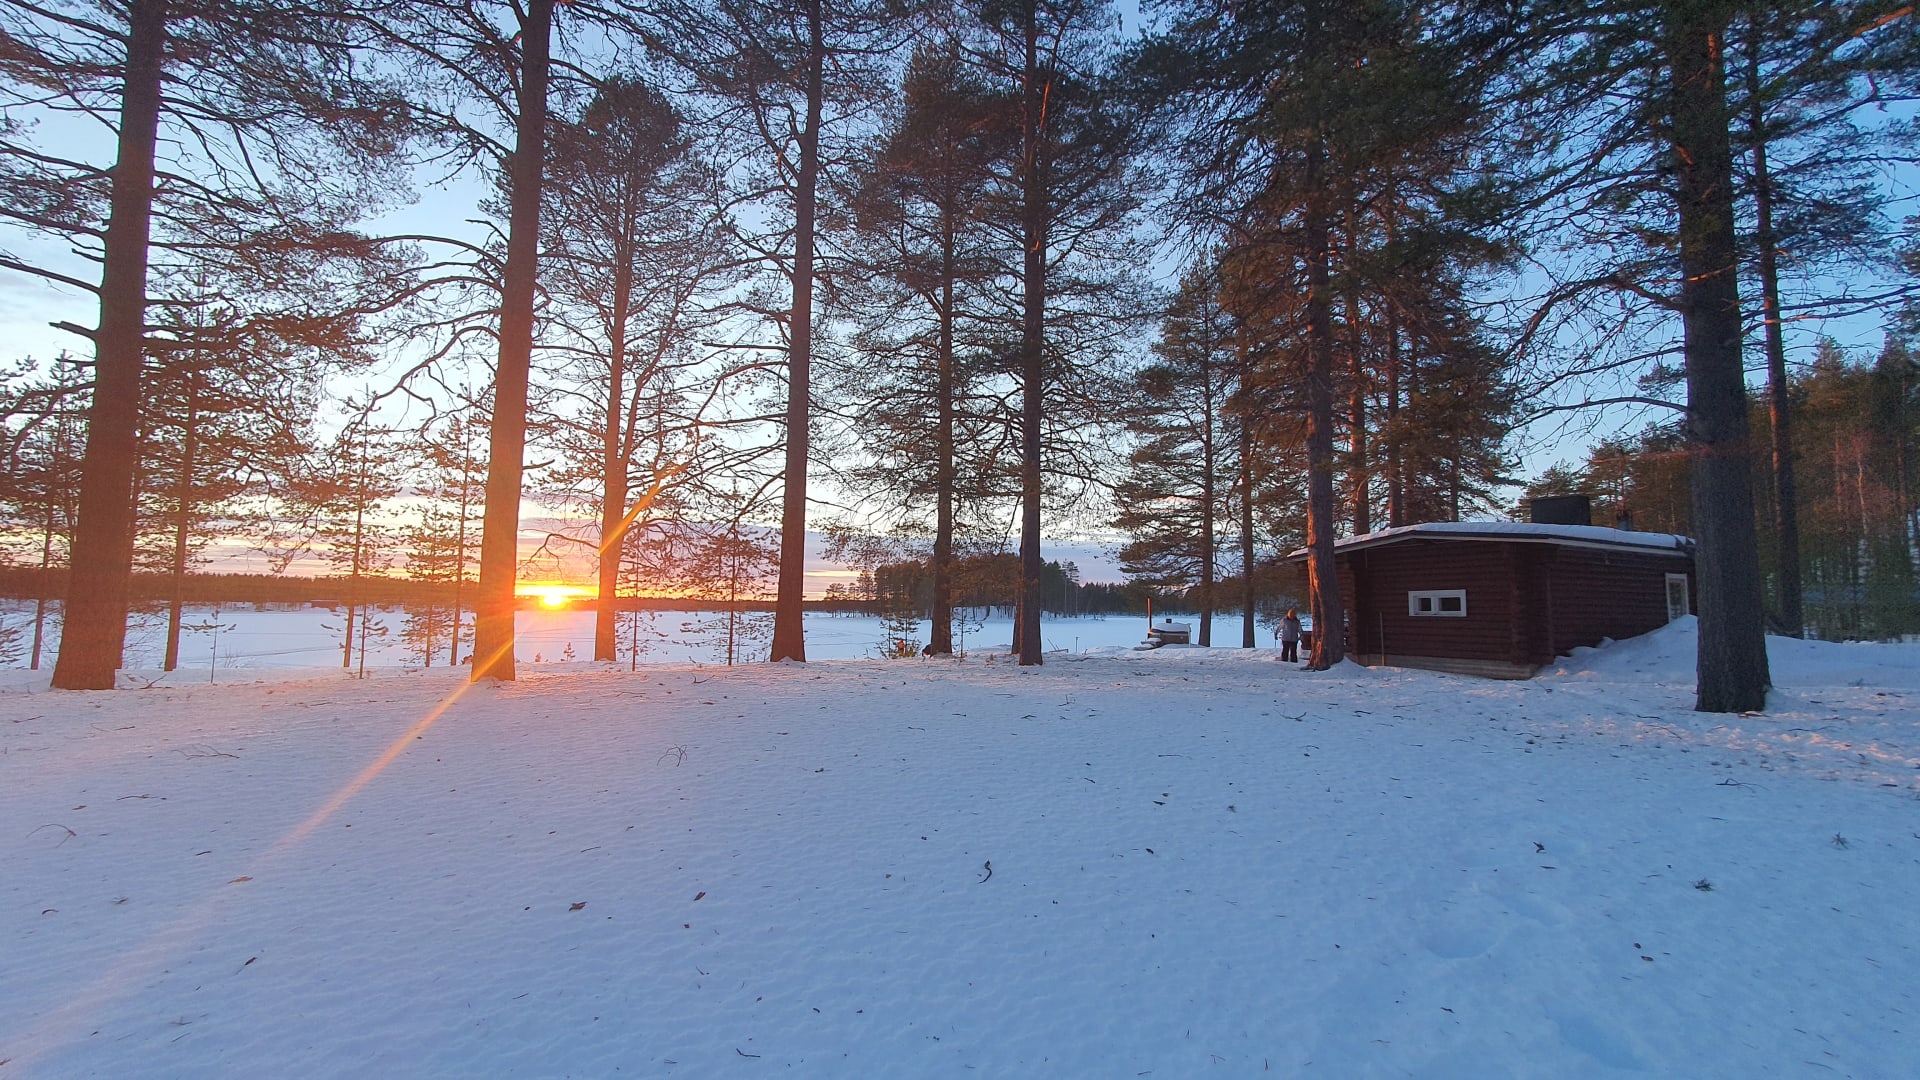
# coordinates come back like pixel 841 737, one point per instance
pixel 50 825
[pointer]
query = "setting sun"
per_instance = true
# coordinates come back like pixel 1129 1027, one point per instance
pixel 553 595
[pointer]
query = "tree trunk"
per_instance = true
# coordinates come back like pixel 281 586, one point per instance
pixel 46 564
pixel 1248 597
pixel 789 632
pixel 613 469
pixel 500 527
pixel 94 632
pixel 1323 580
pixel 612 536
pixel 460 540
pixel 1732 665
pixel 940 638
pixel 1359 481
pixel 1786 512
pixel 182 520
pixel 1396 485
pixel 1033 131
pixel 1209 487
pixel 359 554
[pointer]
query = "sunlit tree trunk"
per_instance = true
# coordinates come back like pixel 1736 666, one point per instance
pixel 613 469
pixel 500 529
pixel 1359 480
pixel 1323 580
pixel 94 632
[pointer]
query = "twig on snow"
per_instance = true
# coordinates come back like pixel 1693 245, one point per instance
pixel 51 825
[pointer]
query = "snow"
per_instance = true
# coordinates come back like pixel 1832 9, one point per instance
pixel 1524 531
pixel 1172 863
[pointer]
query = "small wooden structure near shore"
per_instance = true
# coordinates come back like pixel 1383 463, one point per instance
pixel 1504 598
pixel 1168 632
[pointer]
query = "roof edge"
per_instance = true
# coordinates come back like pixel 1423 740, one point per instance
pixel 1524 532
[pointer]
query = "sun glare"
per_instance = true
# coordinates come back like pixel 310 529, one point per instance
pixel 553 595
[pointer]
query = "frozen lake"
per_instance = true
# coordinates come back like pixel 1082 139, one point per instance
pixel 242 639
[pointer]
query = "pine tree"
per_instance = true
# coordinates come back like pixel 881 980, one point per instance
pixel 507 435
pixel 1733 656
pixel 1293 118
pixel 782 79
pixel 917 205
pixel 45 428
pixel 226 419
pixel 1449 437
pixel 633 236
pixel 454 480
pixel 1805 71
pixel 1853 449
pixel 1069 197
pixel 1654 179
pixel 340 497
pixel 264 115
pixel 1174 499
pixel 435 555
pixel 727 565
pixel 480 77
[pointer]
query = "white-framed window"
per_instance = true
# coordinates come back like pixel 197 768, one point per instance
pixel 1677 602
pixel 1443 603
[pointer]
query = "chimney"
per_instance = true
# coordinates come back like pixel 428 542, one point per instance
pixel 1561 510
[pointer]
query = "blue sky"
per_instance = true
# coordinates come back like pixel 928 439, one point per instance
pixel 29 306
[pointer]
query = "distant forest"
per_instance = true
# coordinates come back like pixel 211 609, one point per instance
pixel 988 583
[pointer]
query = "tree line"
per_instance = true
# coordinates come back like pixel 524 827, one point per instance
pixel 1857 506
pixel 984 581
pixel 723 248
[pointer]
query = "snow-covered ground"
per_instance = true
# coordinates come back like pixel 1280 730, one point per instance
pixel 1176 863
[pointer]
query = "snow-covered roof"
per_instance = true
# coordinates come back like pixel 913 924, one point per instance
pixel 1516 531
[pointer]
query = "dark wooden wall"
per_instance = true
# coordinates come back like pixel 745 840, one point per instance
pixel 1384 575
pixel 1526 602
pixel 1587 595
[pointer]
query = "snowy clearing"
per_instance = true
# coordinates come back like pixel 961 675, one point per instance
pixel 1172 863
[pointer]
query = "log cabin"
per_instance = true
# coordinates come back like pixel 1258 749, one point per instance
pixel 1502 599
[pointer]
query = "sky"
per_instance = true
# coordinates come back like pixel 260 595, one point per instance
pixel 542 561
pixel 1184 862
pixel 28 307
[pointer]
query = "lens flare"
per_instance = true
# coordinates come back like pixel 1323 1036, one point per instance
pixel 553 595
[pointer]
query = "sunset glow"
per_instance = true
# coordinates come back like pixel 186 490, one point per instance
pixel 554 595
